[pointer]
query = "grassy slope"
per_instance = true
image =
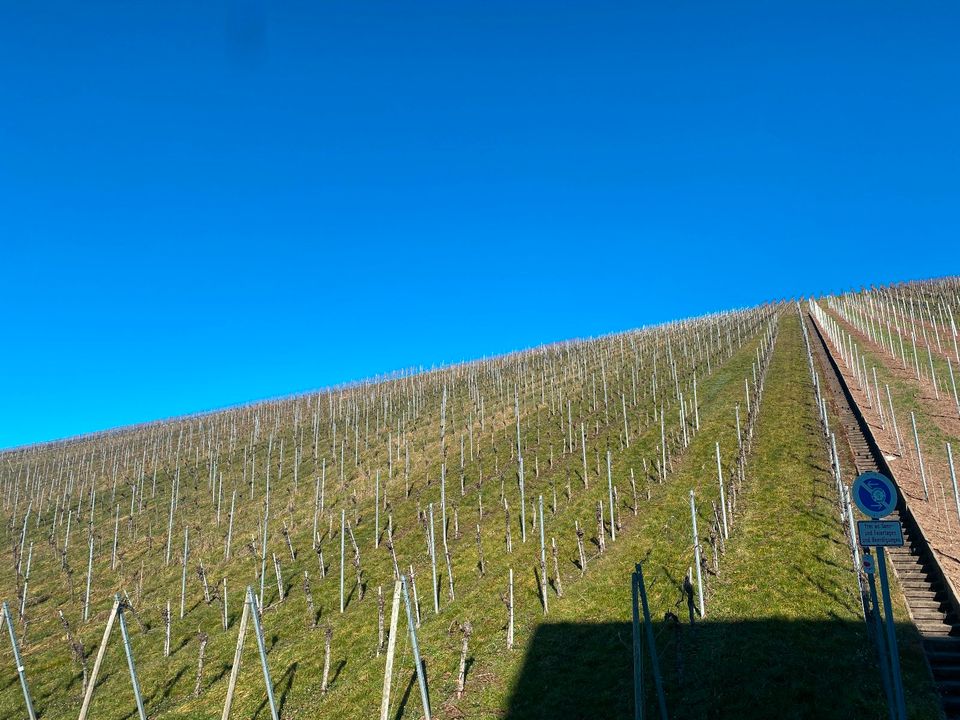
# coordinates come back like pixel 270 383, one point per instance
pixel 785 629
pixel 572 663
pixel 295 651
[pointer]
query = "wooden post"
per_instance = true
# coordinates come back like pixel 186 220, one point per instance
pixel 391 650
pixel 101 651
pixel 328 637
pixel 467 629
pixel 235 670
pixel 583 557
pixel 379 619
pixel 510 609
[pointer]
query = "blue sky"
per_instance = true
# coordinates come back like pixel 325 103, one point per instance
pixel 208 203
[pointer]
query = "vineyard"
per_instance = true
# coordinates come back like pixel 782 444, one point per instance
pixel 485 518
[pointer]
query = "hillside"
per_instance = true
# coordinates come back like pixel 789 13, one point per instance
pixel 484 458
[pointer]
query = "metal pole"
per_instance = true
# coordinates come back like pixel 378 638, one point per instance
pixel 953 478
pixel 916 441
pixel 343 523
pixel 696 552
pixel 543 560
pixel 425 699
pixel 891 635
pixel 723 500
pixel 881 648
pixel 613 523
pixel 133 670
pixel 523 505
pixel 255 614
pixel 86 601
pixel 652 644
pixel 435 590
pixel 20 669
pixel 183 575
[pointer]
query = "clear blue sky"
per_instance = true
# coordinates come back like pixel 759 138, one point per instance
pixel 207 203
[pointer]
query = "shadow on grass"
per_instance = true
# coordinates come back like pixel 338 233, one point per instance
pixel 750 669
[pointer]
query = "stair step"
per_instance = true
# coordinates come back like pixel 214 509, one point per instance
pixel 943 671
pixel 932 628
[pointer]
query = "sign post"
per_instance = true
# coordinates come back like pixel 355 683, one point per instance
pixel 870 569
pixel 876 496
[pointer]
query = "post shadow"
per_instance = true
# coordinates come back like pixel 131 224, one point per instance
pixel 767 668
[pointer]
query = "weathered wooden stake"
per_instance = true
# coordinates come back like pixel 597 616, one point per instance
pixel 466 629
pixel 101 651
pixel 391 650
pixel 238 653
pixel 328 637
pixel 510 612
pixel 583 557
pixel 379 619
pixel 166 641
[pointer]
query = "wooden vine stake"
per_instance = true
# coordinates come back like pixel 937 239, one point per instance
pixel 250 609
pixel 115 613
pixel 391 651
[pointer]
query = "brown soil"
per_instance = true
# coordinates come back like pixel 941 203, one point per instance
pixel 936 515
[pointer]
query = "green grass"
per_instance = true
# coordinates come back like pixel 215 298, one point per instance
pixel 575 658
pixel 295 650
pixel 786 629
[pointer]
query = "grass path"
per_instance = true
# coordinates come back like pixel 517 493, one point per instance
pixel 785 636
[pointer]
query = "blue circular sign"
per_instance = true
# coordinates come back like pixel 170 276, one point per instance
pixel 875 494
